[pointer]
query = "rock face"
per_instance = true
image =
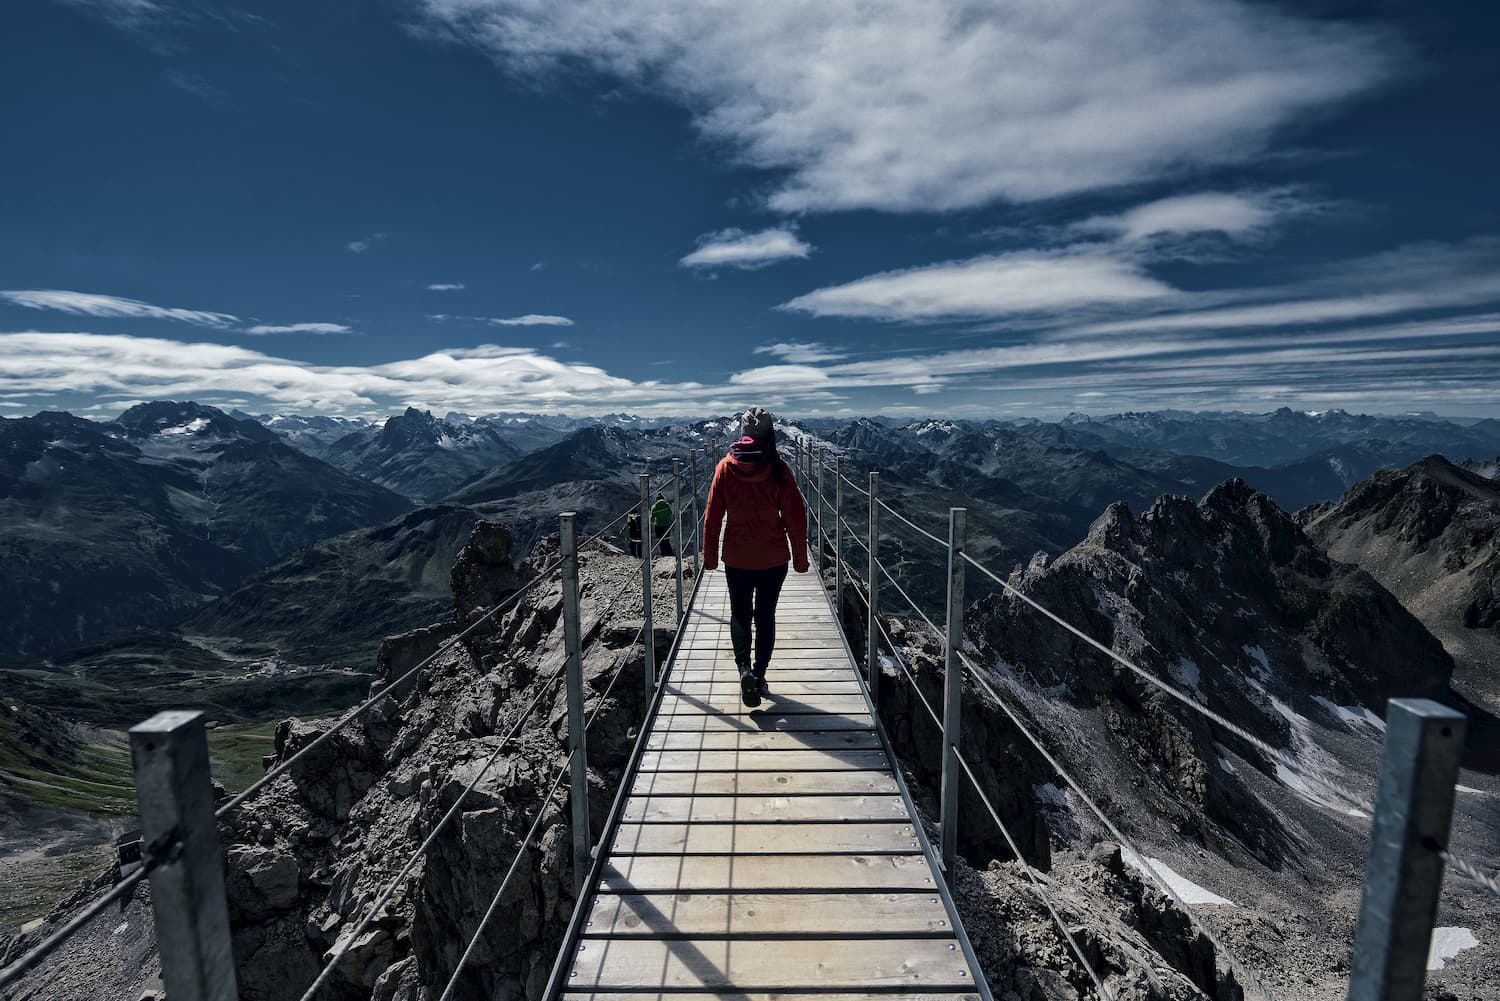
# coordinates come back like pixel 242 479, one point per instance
pixel 309 856
pixel 1233 605
pixel 1430 533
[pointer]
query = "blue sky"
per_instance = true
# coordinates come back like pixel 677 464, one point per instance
pixel 684 206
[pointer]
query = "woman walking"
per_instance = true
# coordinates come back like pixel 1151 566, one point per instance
pixel 756 490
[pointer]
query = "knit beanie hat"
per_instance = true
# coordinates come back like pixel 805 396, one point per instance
pixel 756 423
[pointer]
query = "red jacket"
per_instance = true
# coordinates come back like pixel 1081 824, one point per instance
pixel 763 515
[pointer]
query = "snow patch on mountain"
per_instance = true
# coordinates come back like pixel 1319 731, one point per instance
pixel 1189 891
pixel 1447 943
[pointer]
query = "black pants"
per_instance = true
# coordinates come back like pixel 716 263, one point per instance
pixel 753 594
pixel 635 547
pixel 663 539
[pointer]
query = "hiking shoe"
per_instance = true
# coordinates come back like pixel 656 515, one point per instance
pixel 750 688
pixel 760 682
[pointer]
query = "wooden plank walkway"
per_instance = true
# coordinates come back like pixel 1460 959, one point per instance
pixel 766 851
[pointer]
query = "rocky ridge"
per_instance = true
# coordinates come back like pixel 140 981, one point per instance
pixel 1431 534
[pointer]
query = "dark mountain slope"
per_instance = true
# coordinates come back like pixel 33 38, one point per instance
pixel 1430 533
pixel 420 456
pixel 1233 605
pixel 335 600
pixel 105 526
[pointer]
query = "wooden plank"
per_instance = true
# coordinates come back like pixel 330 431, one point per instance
pixel 762 809
pixel 725 686
pixel 768 965
pixel 831 873
pixel 683 673
pixel 764 783
pixel 775 702
pixel 812 740
pixel 726 653
pixel 767 914
pixel 763 839
pixel 763 722
pixel 762 761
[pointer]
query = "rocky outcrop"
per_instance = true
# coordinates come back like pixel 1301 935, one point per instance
pixel 1431 534
pixel 1232 604
pixel 360 803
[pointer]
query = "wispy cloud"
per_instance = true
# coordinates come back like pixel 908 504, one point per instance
pixel 533 320
pixel 801 354
pixel 446 287
pixel 1240 215
pixel 947 105
pixel 1025 282
pixel 736 248
pixel 299 328
pixel 367 243
pixel 98 304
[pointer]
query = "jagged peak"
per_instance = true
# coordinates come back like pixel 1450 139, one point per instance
pixel 1113 528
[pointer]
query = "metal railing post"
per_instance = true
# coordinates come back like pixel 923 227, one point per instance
pixel 806 480
pixel 174 793
pixel 697 522
pixel 578 779
pixel 1404 869
pixel 819 460
pixel 648 635
pixel 677 526
pixel 953 686
pixel 872 631
pixel 838 536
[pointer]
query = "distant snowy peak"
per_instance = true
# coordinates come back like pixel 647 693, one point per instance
pixel 172 427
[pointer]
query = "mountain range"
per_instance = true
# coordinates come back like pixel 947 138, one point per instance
pixel 105 526
pixel 1431 534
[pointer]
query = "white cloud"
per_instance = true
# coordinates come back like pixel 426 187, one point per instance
pixel 37 366
pixel 299 328
pixel 533 320
pixel 738 249
pixel 446 287
pixel 97 304
pixel 799 353
pixel 991 286
pixel 907 106
pixel 1242 215
pixel 1407 279
pixel 367 243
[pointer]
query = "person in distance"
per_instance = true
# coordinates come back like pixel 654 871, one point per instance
pixel 766 528
pixel 661 525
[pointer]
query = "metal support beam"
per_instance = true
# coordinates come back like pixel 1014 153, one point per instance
pixel 169 754
pixel 578 779
pixel 838 538
pixel 1404 869
pixel 697 521
pixel 819 460
pixel 953 686
pixel 806 480
pixel 872 627
pixel 648 635
pixel 677 527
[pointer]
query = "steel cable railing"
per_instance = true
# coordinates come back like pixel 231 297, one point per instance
pixel 937 722
pixel 1033 876
pixel 1114 830
pixel 541 813
pixel 159 855
pixel 536 825
pixel 347 941
pixel 966 660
